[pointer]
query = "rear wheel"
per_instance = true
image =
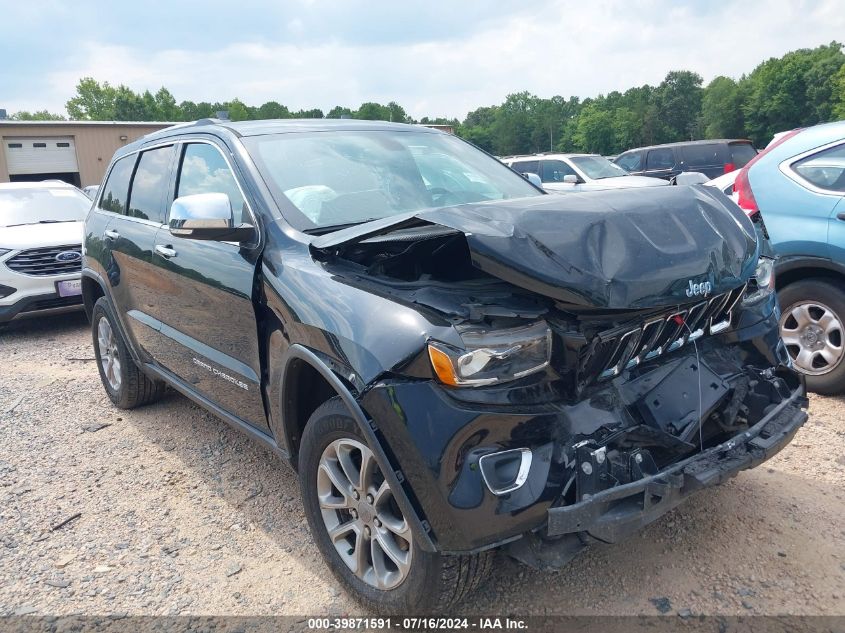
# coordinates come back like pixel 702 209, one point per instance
pixel 126 385
pixel 812 326
pixel 360 530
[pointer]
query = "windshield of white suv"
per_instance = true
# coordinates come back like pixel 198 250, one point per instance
pixel 339 178
pixel 598 167
pixel 42 206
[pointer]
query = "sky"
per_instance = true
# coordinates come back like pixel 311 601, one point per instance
pixel 435 58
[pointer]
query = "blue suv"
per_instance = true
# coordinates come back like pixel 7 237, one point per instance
pixel 798 184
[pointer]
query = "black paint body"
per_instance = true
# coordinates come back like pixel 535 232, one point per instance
pixel 233 326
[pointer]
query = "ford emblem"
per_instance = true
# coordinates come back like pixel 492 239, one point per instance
pixel 68 256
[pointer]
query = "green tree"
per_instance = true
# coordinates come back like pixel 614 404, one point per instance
pixel 796 90
pixel 397 113
pixel 477 127
pixel 821 81
pixel 165 105
pixel 93 101
pixel 40 115
pixel 372 111
pixel 313 113
pixel 678 100
pixel 190 111
pixel 838 96
pixel 237 109
pixel 338 112
pixel 594 130
pixel 273 110
pixel 514 123
pixel 721 109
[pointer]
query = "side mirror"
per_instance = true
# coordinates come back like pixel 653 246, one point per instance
pixel 534 179
pixel 690 178
pixel 207 216
pixel 570 179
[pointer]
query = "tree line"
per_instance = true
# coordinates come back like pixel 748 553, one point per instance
pixel 801 88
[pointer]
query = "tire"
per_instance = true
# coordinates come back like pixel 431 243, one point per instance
pixel 432 581
pixel 825 319
pixel 125 384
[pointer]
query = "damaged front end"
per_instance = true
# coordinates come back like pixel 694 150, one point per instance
pixel 587 396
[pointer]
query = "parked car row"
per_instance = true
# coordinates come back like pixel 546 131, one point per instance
pixel 454 361
pixel 568 173
pixel 711 158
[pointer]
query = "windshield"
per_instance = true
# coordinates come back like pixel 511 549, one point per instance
pixel 47 204
pixel 347 177
pixel 598 167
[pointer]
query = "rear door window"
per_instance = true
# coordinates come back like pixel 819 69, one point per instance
pixel 630 162
pixel 555 170
pixel 116 190
pixel 825 170
pixel 663 158
pixel 703 155
pixel 150 184
pixel 527 167
pixel 741 153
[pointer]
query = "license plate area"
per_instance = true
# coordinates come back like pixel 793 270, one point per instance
pixel 69 288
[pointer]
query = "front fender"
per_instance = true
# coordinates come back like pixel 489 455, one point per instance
pixel 392 474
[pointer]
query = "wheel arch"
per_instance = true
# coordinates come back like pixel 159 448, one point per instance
pixel 302 364
pixel 792 269
pixel 92 289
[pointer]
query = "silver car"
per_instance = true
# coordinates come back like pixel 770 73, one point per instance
pixel 569 173
pixel 40 248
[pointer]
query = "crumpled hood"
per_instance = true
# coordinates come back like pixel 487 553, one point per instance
pixel 616 249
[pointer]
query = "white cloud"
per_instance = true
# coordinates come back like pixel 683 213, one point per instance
pixel 568 49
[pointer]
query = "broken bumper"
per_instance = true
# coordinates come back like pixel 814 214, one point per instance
pixel 615 513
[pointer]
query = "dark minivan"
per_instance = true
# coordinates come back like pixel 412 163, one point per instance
pixel 454 361
pixel 711 158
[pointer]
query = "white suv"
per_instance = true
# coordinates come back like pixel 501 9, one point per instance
pixel 40 248
pixel 568 173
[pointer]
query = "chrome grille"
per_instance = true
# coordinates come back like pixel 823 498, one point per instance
pixel 42 261
pixel 609 353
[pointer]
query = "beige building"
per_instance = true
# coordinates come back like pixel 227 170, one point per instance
pixel 77 152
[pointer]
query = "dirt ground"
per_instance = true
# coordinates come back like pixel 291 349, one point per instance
pixel 170 511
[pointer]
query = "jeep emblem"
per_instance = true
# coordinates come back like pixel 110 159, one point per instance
pixel 696 290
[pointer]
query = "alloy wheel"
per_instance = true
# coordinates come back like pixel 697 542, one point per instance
pixel 109 357
pixel 361 516
pixel 813 335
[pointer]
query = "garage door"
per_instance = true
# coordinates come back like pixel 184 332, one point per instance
pixel 40 155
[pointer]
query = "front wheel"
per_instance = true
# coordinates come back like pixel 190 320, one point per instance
pixel 360 530
pixel 812 326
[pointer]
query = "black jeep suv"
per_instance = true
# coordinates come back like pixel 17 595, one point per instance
pixel 453 361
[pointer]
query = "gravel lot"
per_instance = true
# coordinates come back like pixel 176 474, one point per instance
pixel 170 511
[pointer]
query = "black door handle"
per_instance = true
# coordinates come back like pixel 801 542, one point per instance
pixel 840 216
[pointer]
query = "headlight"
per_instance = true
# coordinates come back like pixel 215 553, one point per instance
pixel 762 283
pixel 3 251
pixel 493 356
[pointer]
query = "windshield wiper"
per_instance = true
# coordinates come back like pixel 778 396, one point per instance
pixel 331 228
pixel 41 222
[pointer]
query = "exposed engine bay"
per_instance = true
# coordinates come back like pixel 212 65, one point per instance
pixel 652 369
